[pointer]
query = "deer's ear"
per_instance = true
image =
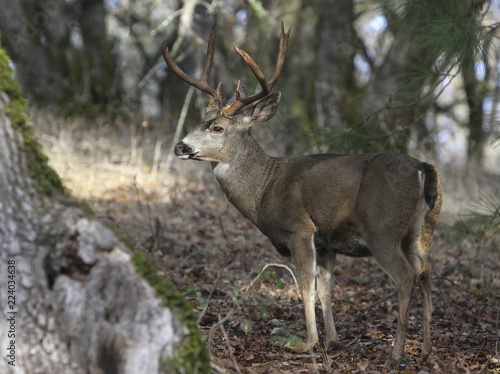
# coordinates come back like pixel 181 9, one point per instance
pixel 262 111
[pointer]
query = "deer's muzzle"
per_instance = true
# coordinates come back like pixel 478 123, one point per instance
pixel 184 151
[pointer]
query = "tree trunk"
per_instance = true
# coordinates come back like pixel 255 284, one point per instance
pixel 477 136
pixel 72 299
pixel 20 36
pixel 100 64
pixel 335 62
pixel 62 54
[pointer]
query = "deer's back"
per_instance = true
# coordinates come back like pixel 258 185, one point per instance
pixel 340 198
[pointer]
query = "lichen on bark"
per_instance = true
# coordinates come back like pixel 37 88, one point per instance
pixel 48 182
pixel 192 355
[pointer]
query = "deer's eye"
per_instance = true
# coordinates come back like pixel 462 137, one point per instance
pixel 217 130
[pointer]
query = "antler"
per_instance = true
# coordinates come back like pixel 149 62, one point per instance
pixel 201 84
pixel 240 101
pixel 267 86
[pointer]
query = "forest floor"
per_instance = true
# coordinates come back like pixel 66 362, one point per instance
pixel 243 291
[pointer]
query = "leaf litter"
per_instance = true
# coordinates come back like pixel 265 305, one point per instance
pixel 251 317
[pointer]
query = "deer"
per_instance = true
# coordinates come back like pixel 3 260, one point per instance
pixel 314 207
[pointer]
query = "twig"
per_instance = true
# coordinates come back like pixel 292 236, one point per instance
pixel 184 260
pixel 231 350
pixel 380 301
pixel 303 356
pixel 221 322
pixel 447 299
pixel 453 267
pixel 461 288
pixel 242 298
pixel 217 368
pixel 147 221
pixel 180 125
pixel 315 364
pixel 156 158
pixel 477 354
pixel 251 285
pixel 490 321
pixel 226 262
pixel 166 22
pixel 327 361
pixel 212 290
pixel 498 336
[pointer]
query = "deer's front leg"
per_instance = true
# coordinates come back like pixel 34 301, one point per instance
pixel 304 257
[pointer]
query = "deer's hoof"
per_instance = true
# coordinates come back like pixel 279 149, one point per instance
pixel 392 363
pixel 428 361
pixel 305 347
pixel 334 345
pixel 427 355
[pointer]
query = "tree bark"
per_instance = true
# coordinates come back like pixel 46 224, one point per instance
pixel 477 136
pixel 72 300
pixel 335 62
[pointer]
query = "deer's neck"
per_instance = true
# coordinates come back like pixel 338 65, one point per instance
pixel 244 176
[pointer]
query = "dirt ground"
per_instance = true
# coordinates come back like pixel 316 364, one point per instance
pixel 215 257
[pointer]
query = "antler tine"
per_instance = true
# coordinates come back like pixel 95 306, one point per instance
pixel 201 84
pixel 210 53
pixel 281 55
pixel 267 86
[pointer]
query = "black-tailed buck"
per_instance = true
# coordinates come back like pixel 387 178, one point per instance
pixel 315 207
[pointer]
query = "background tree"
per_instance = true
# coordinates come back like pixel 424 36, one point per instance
pixel 360 76
pixel 62 53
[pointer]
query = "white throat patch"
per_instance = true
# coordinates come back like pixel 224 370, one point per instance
pixel 221 170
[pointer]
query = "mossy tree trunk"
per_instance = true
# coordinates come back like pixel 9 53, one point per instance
pixel 73 299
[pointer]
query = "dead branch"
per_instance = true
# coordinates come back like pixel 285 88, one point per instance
pixel 369 308
pixel 231 350
pixel 240 301
pixel 252 284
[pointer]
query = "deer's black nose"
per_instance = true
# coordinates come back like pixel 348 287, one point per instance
pixel 184 151
pixel 181 149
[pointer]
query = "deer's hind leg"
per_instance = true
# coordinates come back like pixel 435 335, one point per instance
pixel 393 261
pixel 416 249
pixel 417 254
pixel 325 264
pixel 426 289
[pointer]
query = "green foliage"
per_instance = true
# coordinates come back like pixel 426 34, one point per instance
pixel 496 137
pixel 270 275
pixel 234 298
pixel 357 139
pixel 191 290
pixel 482 225
pixel 247 325
pixel 285 337
pixel 48 182
pixel 450 32
pixel 258 8
pixel 192 356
